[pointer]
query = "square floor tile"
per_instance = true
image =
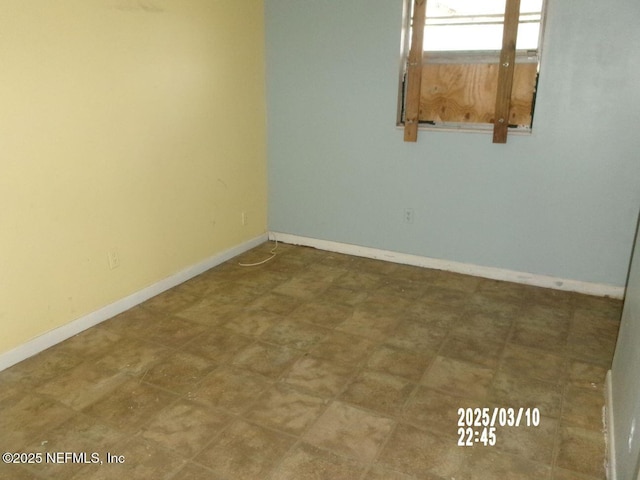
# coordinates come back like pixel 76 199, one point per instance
pixel 340 347
pixel 185 427
pixel 458 378
pixel 266 359
pixel 581 451
pixel 378 391
pixel 488 464
pixel 230 388
pixel 420 453
pixel 307 462
pixel 286 409
pixel 130 406
pixel 349 431
pixel 179 373
pixel 245 451
pixel 404 363
pixel 318 376
pixel 294 334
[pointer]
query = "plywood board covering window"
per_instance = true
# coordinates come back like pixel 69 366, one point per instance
pixel 469 49
pixel 466 92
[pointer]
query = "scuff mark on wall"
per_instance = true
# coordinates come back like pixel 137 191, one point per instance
pixel 146 6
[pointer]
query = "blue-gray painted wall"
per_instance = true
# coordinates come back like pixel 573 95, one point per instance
pixel 561 202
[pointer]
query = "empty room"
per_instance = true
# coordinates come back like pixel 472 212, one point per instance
pixel 319 239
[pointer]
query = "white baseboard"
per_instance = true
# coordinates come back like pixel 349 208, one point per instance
pixel 610 458
pixel 458 267
pixel 60 334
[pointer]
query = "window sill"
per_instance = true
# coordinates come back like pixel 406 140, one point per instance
pixel 486 128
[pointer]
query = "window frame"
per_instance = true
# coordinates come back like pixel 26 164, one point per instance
pixel 462 57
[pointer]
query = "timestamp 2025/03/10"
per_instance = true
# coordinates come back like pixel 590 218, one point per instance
pixel 478 425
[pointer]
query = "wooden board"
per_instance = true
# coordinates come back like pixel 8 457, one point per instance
pixel 459 92
pixel 414 73
pixel 506 72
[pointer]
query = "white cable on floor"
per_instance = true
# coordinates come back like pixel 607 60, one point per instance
pixel 272 252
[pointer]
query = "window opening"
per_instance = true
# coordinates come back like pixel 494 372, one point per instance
pixel 461 66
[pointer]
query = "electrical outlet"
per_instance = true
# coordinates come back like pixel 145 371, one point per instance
pixel 408 215
pixel 114 259
pixel 245 220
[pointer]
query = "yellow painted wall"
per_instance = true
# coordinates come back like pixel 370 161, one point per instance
pixel 128 125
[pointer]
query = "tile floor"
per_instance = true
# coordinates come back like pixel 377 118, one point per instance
pixel 318 365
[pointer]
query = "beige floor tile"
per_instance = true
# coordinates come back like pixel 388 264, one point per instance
pixel 154 326
pixel 379 392
pixel 318 376
pixel 210 312
pixel 416 336
pixel 218 345
pixel 507 291
pixel 531 442
pixel 245 451
pixel 377 472
pixel 592 346
pixel 266 359
pixel 325 314
pixel 420 453
pixel 434 315
pixel 483 326
pixel 82 385
pixel 369 323
pixel 235 292
pixel 252 323
pixel 321 365
pixel 79 434
pixel 511 391
pixel 286 409
pixel 488 464
pixel 396 361
pixel 294 334
pixel 193 471
pixel 171 301
pixel 458 378
pixel 185 427
pixel 436 411
pixel 179 372
pixel 490 305
pixel 583 408
pixel 402 288
pixel 339 295
pixel 449 297
pixel 586 375
pixel 360 280
pixel 581 451
pixel 349 431
pixel 533 363
pixel 25 419
pixel 142 459
pixel 304 286
pixel 456 281
pixel 563 474
pixel 230 388
pixel 477 350
pixel 339 347
pixel 130 406
pixel 31 372
pixel 91 343
pixel 274 303
pixel 16 472
pixel 552 339
pixel 307 462
pixel 132 356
